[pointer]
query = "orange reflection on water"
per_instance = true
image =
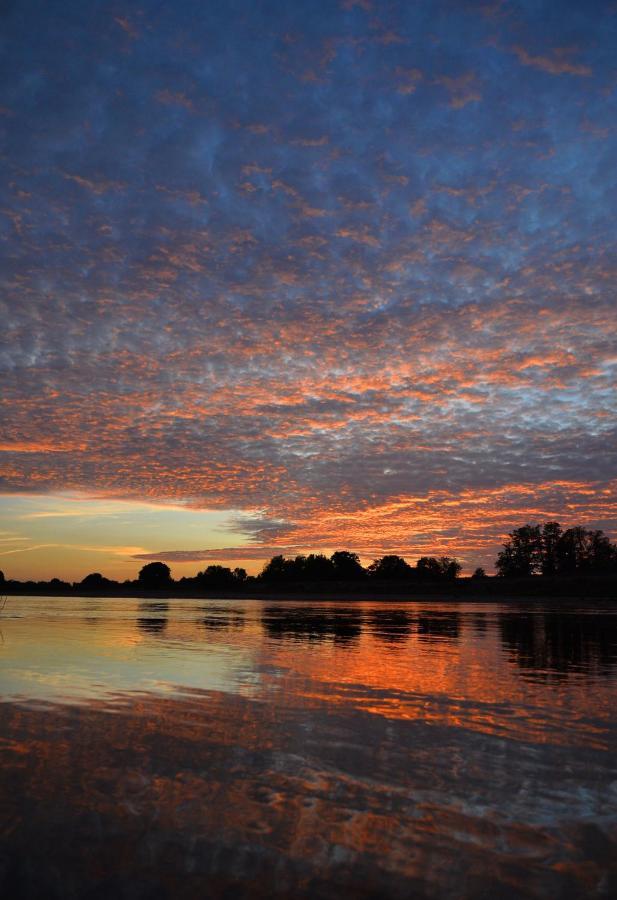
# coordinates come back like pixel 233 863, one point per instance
pixel 362 751
pixel 447 666
pixel 216 792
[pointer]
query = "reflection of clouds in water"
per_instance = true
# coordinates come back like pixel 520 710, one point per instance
pixel 200 793
pixel 61 656
pixel 432 649
pixel 388 750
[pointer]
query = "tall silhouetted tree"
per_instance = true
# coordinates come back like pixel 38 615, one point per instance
pixel 572 550
pixel 1 577
pixel 522 553
pixel 551 534
pixel 579 550
pixel 155 576
pixel 479 573
pixel 602 554
pixel 347 565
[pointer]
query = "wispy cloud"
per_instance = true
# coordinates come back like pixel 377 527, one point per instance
pixel 558 62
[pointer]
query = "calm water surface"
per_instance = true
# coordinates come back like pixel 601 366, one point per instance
pixel 195 749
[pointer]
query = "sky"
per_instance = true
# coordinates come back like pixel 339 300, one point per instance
pixel 282 277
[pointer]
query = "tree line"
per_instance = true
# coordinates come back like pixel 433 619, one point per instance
pixel 345 566
pixel 532 550
pixel 549 550
pixel 314 568
pixel 342 566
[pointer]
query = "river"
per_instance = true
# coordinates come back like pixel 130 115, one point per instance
pixel 193 749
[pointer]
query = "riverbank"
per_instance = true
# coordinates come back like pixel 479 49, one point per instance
pixel 487 589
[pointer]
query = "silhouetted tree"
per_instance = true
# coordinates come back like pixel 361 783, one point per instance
pixel 215 576
pixel 314 567
pixel 94 582
pixel 551 535
pixel 602 553
pixel 547 549
pixel 347 565
pixel 572 550
pixel 479 573
pixel 579 550
pixel 428 567
pixel 56 584
pixel 1 577
pixel 389 566
pixel 279 569
pixel 155 576
pixel 317 567
pixel 522 553
pixel 442 568
pixel 451 568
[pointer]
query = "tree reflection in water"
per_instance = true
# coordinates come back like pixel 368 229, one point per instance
pixel 221 618
pixel 439 626
pixel 153 624
pixel 391 625
pixel 554 643
pixel 307 624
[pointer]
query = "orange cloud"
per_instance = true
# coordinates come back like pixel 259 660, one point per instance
pixel 555 64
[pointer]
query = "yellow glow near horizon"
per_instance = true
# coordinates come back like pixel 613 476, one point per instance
pixel 68 536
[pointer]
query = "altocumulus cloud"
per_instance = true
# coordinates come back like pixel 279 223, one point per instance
pixel 351 268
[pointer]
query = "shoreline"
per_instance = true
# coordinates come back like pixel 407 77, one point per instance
pixel 465 591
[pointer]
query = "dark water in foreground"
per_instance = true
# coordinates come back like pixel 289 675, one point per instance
pixel 198 749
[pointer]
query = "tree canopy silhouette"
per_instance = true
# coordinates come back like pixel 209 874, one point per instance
pixel 435 569
pixel 347 565
pixel 389 566
pixel 529 551
pixel 95 582
pixel 220 576
pixel 548 550
pixel 314 567
pixel 155 575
